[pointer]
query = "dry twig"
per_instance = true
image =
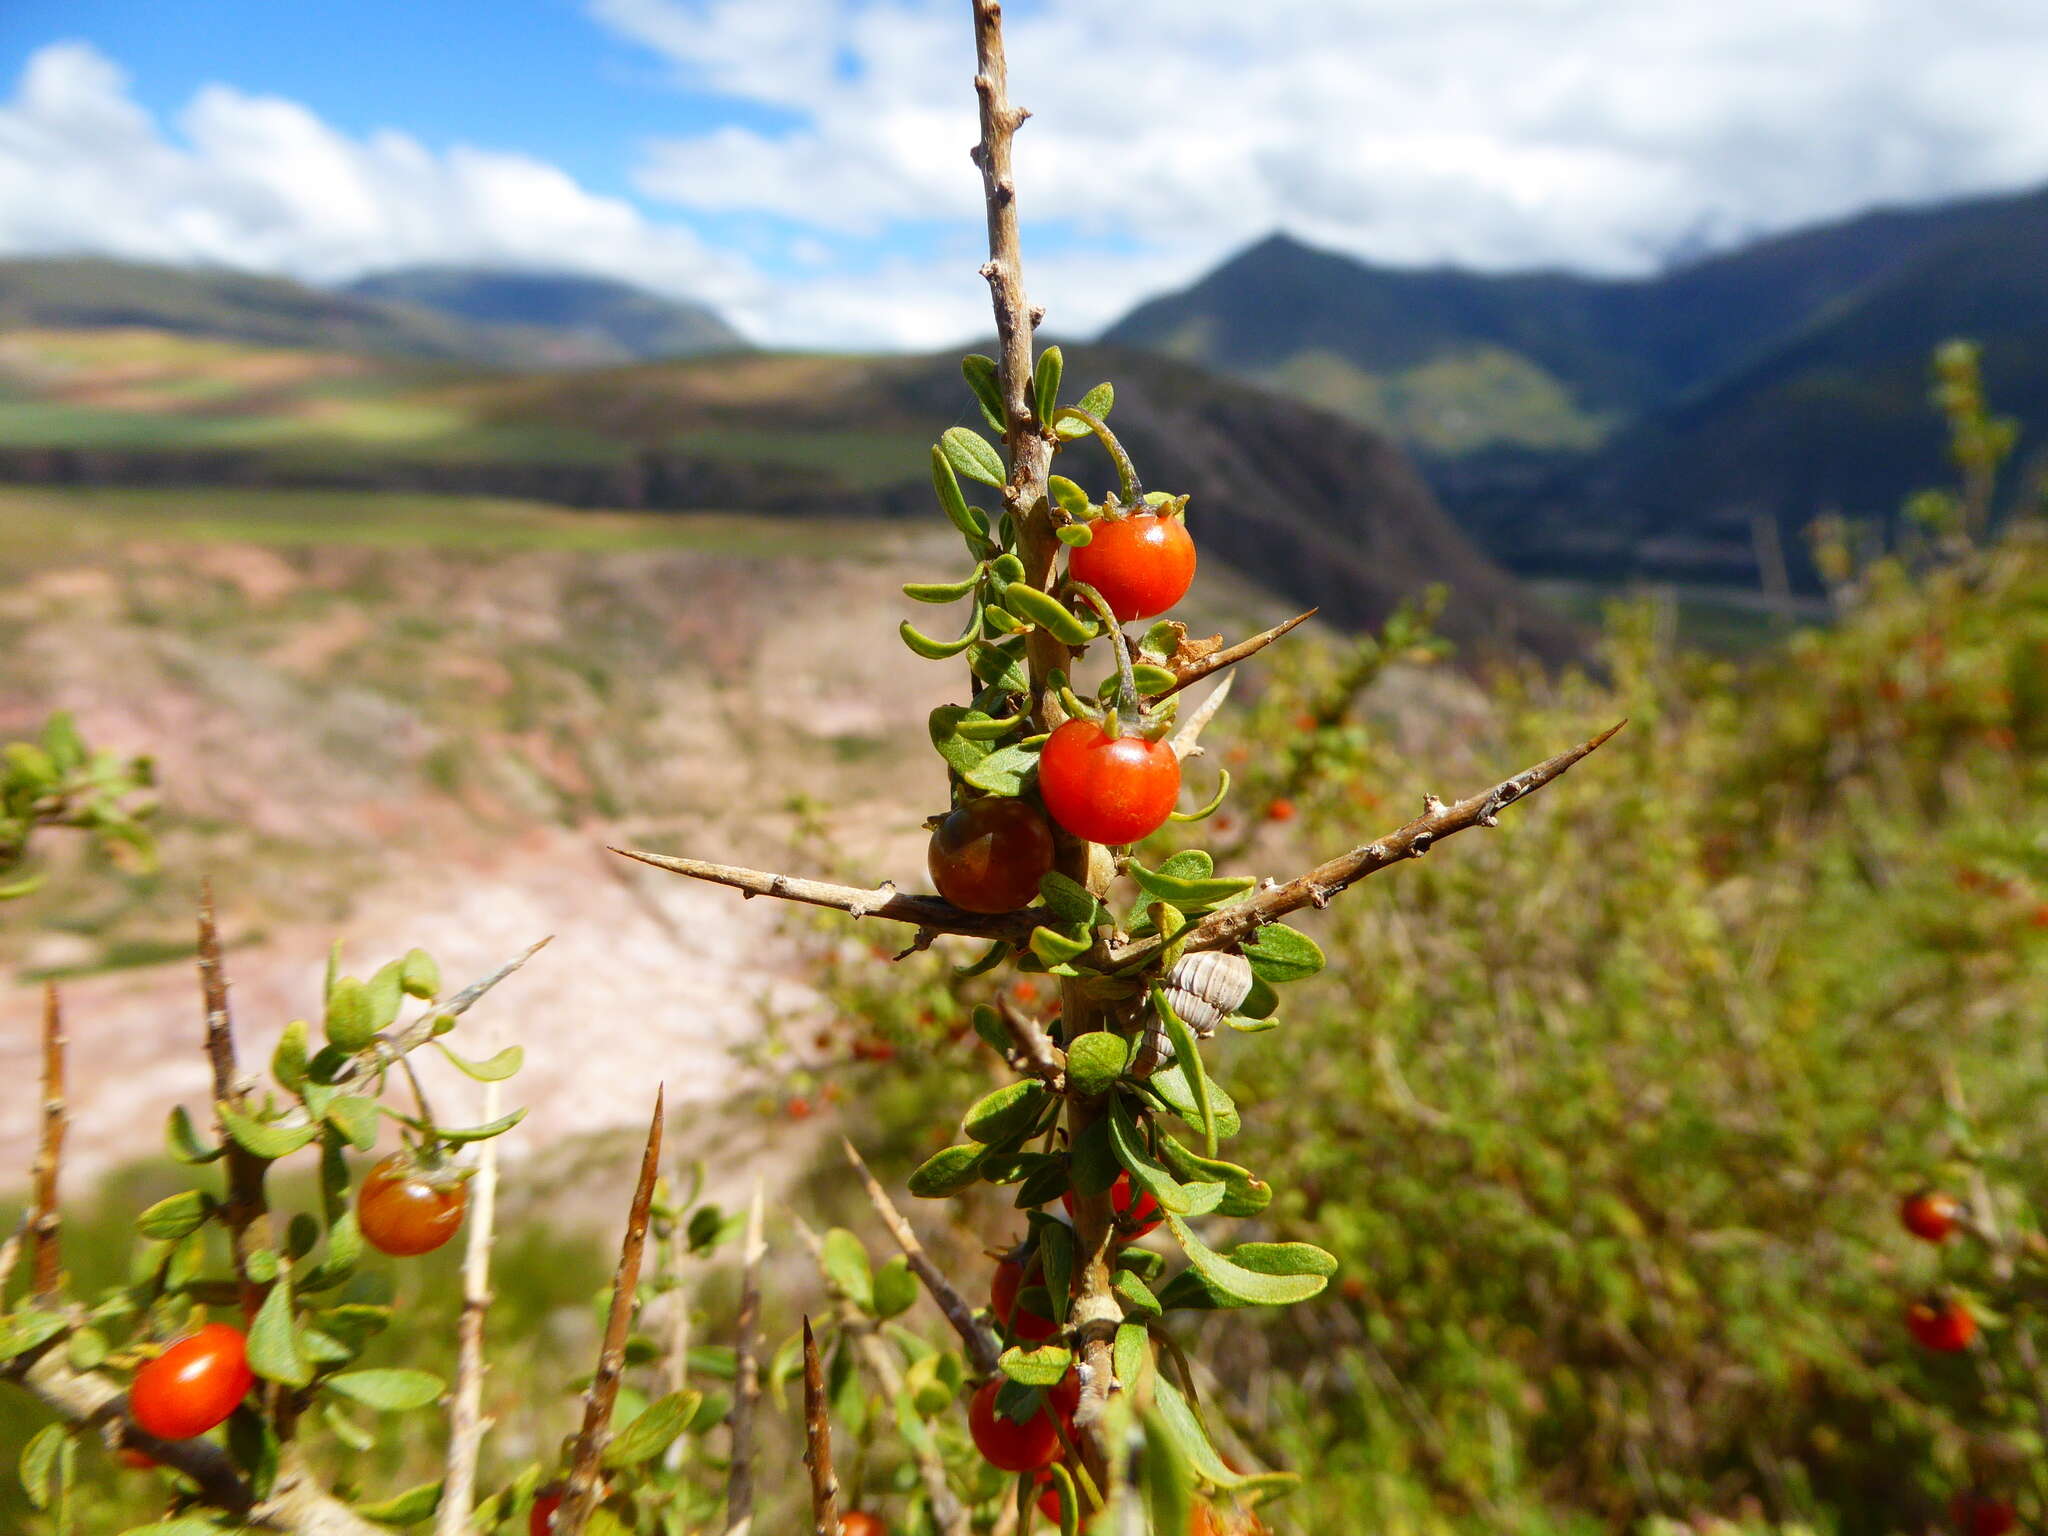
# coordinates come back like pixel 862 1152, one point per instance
pixel 1230 656
pixel 746 1379
pixel 1036 1054
pixel 580 1493
pixel 245 1212
pixel 982 1348
pixel 818 1443
pixel 466 1421
pixel 46 1267
pixel 948 1514
pixel 1231 925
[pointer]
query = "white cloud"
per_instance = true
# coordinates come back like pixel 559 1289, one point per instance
pixel 261 183
pixel 1598 134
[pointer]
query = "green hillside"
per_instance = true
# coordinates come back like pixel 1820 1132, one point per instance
pixel 1305 504
pixel 611 321
pixel 1454 361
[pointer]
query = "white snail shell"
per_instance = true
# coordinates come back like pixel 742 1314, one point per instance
pixel 1202 988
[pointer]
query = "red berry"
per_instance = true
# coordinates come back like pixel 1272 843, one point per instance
pixel 988 855
pixel 1131 1222
pixel 860 1523
pixel 1141 564
pixel 1104 789
pixel 1979 1514
pixel 1941 1323
pixel 134 1460
pixel 1024 1324
pixel 406 1207
pixel 1026 991
pixel 798 1109
pixel 193 1385
pixel 1930 1214
pixel 1006 1444
pixel 1280 810
pixel 542 1520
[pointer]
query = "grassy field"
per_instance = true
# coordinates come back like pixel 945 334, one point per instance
pixel 37 518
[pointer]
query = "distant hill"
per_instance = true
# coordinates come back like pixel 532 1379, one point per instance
pixel 1454 361
pixel 1835 417
pixel 499 320
pixel 90 292
pixel 600 315
pixel 1315 508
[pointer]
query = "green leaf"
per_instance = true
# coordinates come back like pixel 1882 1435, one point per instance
pixel 1006 770
pixel 1045 383
pixel 39 1464
pixel 388 1391
pixel 1056 948
pixel 1009 1111
pixel 1280 954
pixel 1149 1174
pixel 895 1288
pixel 273 1339
pixel 1243 1195
pixel 1167 1477
pixel 1171 1087
pixel 288 1061
pixel 972 524
pixel 653 1430
pixel 940 591
pixel 183 1140
pixel 494 1069
pixel 1069 497
pixel 1070 901
pixel 264 1139
pixel 938 650
pixel 86 1349
pixel 1092 1165
pixel 1188 1053
pixel 947 1172
pixel 420 976
pixel 1187 894
pixel 982 377
pixel 351 1016
pixel 1048 613
pixel 1040 1367
pixel 1136 1294
pixel 1096 403
pixel 1177 1418
pixel 1075 535
pixel 1152 681
pixel 970 454
pixel 25 1329
pixel 346 1429
pixel 1132 1356
pixel 1256 1274
pixel 356 1118
pixel 386 992
pixel 484 1132
pixel 978 727
pixel 1056 1260
pixel 344 1252
pixel 176 1216
pixel 1096 1060
pixel 846 1266
pixel 407 1508
pixel 184 1525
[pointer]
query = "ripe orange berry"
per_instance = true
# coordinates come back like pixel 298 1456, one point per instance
pixel 1942 1324
pixel 1931 1215
pixel 407 1207
pixel 193 1385
pixel 1280 810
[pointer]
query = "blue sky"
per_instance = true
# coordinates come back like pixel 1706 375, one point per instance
pixel 801 163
